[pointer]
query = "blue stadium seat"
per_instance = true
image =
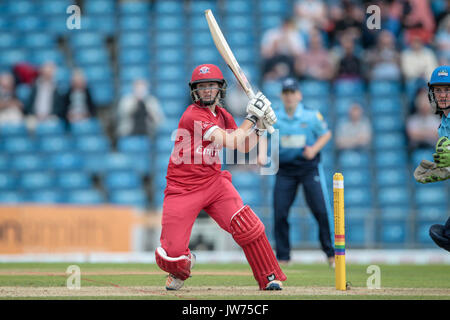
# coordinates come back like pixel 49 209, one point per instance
pixel 274 6
pixel 122 180
pixel 388 196
pixel 29 162
pixel 74 180
pixel 50 128
pixel 57 24
pixel 134 23
pixel 170 72
pixel 8 40
pixel 391 176
pixel 423 234
pixel 8 181
pixel 164 145
pixel 353 159
pixel 12 56
pixel 205 55
pixel 314 88
pixel 432 212
pixel 386 105
pixel 133 7
pixel 134 39
pixel 355 230
pixel 356 177
pixel 86 39
pixel 55 7
pixel 358 196
pixel 4 163
pixel 431 195
pixel 100 73
pixel 118 162
pixel 349 88
pixel 102 93
pixel 169 7
pixel 19 145
pixel 11 130
pixel 41 56
pixel 389 141
pixel 168 127
pixel 92 144
pixel 36 181
pixel 170 90
pixel 270 21
pixel 387 123
pixel 170 56
pixel 10 197
pixel 391 158
pixel 246 179
pixel 30 23
pixel 99 7
pixel 91 23
pixel 23 91
pixel 233 7
pixel 45 196
pixel 393 232
pixel 134 144
pixel 170 22
pixel 38 40
pixel 90 56
pixel 240 38
pixel 90 126
pixel 84 197
pixel 384 88
pixel 6 23
pixel 66 161
pixel 234 22
pixel 20 7
pixel 252 197
pixel 160 180
pixel 133 72
pixel 131 197
pixel 134 56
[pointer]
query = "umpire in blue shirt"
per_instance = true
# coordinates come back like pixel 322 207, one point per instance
pixel 303 134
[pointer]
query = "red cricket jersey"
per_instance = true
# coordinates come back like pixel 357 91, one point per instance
pixel 195 161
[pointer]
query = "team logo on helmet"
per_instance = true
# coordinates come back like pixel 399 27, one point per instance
pixel 204 70
pixel 442 73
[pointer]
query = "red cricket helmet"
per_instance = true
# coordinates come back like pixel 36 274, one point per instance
pixel 207 73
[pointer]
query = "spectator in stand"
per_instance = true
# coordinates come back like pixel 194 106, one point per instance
pixel 139 113
pixel 355 132
pixel 45 101
pixel 417 61
pixel 10 107
pixel 349 65
pixel 279 49
pixel 383 61
pixel 310 14
pixel 78 104
pixel 442 41
pixel 418 21
pixel 347 18
pixel 316 62
pixel 421 126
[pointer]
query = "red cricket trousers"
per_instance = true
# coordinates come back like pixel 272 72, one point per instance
pixel 180 209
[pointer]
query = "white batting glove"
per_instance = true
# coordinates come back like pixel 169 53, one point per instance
pixel 258 105
pixel 270 117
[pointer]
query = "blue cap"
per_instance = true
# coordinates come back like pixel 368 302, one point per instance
pixel 289 84
pixel 440 75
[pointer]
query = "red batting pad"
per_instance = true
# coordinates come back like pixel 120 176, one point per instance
pixel 180 267
pixel 248 231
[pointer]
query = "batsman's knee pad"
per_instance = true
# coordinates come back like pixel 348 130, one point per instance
pixel 248 232
pixel 180 267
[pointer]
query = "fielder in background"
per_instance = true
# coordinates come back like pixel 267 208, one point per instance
pixel 195 181
pixel 439 170
pixel 303 134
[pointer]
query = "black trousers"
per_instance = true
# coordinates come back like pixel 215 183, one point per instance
pixel 283 197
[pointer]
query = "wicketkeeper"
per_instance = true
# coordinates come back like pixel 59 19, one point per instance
pixel 439 170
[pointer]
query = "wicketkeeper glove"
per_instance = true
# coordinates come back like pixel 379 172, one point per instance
pixel 428 171
pixel 442 155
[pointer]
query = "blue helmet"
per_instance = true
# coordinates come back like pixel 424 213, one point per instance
pixel 440 76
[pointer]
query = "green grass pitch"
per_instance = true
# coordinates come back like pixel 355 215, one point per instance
pixel 219 282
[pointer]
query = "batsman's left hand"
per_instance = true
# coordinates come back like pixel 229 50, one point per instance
pixel 442 155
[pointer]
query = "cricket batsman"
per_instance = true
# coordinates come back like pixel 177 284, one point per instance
pixel 195 181
pixel 439 170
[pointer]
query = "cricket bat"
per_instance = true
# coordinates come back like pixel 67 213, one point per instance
pixel 228 56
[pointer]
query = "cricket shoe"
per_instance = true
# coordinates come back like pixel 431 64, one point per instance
pixel 173 283
pixel 274 285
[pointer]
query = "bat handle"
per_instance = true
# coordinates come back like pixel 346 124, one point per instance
pixel 269 128
pixel 251 95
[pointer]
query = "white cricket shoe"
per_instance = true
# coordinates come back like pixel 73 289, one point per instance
pixel 274 285
pixel 173 283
